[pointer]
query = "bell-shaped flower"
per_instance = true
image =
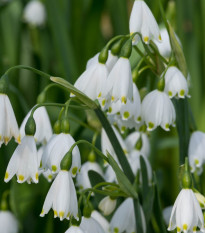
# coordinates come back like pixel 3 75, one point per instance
pixel 93 80
pixel 8 123
pixel 107 205
pixel 123 219
pixel 167 214
pixel 111 60
pixel 61 197
pixel 43 125
pixel 55 150
pixel 91 225
pixel 164 46
pixel 8 222
pixel 110 175
pixel 119 85
pixel 196 152
pixel 133 138
pixel 143 22
pixel 75 229
pixel 186 214
pixel 24 162
pixel 83 181
pixel 101 220
pixel 158 110
pixel 175 83
pixel 35 13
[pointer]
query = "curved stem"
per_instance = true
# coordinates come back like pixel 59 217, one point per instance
pixel 46 104
pixel 41 73
pixel 91 145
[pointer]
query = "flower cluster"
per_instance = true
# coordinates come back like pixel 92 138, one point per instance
pixel 117 94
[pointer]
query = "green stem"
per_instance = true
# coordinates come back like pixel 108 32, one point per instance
pixel 116 145
pixel 92 146
pixel 41 73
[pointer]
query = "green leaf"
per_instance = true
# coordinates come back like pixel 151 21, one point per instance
pixel 138 216
pixel 95 178
pixel 178 52
pixel 81 96
pixel 116 145
pixel 157 210
pixel 147 191
pixel 182 122
pixel 123 181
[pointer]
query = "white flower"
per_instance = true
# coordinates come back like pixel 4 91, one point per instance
pixel 175 83
pixel 24 162
pixel 93 80
pixel 75 229
pixel 167 214
pixel 101 220
pixel 158 110
pixel 196 152
pixel 119 82
pixel 91 225
pixel 8 123
pixel 186 213
pixel 143 21
pixel 55 150
pixel 8 222
pixel 83 181
pixel 133 138
pixel 112 59
pixel 35 13
pixel 107 205
pixel 130 110
pixel 61 197
pixel 123 219
pixel 43 125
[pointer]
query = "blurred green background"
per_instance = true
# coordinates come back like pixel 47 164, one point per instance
pixel 74 31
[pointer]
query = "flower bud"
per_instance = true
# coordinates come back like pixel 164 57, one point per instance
pixel 66 162
pixel 186 176
pixel 87 211
pixel 30 127
pixel 65 126
pixel 57 127
pixel 103 56
pixel 126 49
pixel 115 50
pixel 161 84
pixel 107 205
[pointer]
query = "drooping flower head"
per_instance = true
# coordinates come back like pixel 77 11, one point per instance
pixel 175 83
pixel 196 152
pixel 8 123
pixel 35 13
pixel 186 213
pixel 62 197
pixel 158 110
pixel 143 21
pixel 24 161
